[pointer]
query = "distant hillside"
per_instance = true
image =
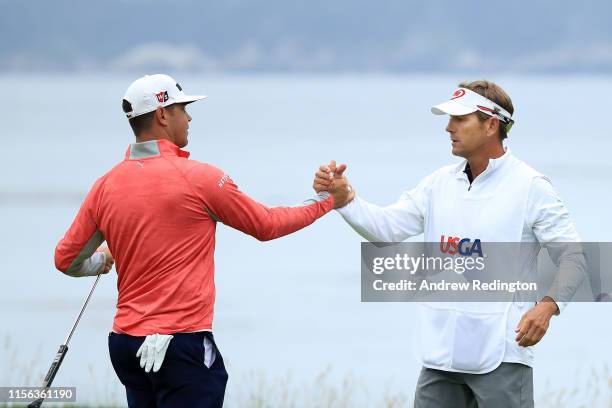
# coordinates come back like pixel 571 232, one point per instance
pixel 315 35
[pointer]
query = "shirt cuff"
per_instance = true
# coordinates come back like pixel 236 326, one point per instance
pixel 561 306
pixel 347 209
pixel 322 196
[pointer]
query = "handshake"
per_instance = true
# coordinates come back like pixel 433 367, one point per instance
pixel 330 178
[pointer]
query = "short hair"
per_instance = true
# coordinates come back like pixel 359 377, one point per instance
pixel 495 93
pixel 141 122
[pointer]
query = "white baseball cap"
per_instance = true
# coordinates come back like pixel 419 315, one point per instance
pixel 464 101
pixel 147 93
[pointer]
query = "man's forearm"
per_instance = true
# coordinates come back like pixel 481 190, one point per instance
pixel 393 223
pixel 362 219
pixel 571 272
pixel 266 224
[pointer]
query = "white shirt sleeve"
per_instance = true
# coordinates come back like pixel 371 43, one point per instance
pixel 393 223
pixel 552 226
pixel 547 215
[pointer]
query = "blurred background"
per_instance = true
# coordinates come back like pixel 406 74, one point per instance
pixel 306 36
pixel 291 85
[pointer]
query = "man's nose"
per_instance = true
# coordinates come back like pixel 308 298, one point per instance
pixel 188 118
pixel 449 127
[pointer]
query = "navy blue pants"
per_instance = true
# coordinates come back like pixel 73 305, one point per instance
pixel 183 379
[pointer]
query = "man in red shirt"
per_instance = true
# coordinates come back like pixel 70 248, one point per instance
pixel 158 212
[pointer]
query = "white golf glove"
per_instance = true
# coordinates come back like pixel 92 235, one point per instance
pixel 153 351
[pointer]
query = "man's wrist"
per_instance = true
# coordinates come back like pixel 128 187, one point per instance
pixel 550 304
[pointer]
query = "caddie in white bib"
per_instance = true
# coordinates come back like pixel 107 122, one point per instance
pixel 491 196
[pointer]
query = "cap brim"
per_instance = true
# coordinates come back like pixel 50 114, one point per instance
pixel 190 98
pixel 452 108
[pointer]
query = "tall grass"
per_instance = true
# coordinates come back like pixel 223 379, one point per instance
pixel 591 388
pixel 260 392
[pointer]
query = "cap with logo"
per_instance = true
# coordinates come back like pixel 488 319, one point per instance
pixel 465 101
pixel 149 92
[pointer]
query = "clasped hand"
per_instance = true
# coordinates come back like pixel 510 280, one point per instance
pixel 330 178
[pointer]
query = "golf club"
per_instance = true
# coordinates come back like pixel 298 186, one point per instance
pixel 61 353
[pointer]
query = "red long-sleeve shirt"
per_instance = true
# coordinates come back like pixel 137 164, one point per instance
pixel 157 210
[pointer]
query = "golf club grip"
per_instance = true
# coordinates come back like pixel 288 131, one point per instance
pixel 55 365
pixel 35 404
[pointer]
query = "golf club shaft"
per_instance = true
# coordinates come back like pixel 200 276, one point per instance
pixel 82 310
pixel 61 353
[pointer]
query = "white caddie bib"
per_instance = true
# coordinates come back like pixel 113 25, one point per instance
pixel 471 337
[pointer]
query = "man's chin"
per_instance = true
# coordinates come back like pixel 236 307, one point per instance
pixel 457 152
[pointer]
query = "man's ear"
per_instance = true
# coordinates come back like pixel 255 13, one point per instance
pixel 161 116
pixel 493 126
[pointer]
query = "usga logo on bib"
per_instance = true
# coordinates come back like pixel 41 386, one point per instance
pixel 462 246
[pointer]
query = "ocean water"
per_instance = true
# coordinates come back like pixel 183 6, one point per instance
pixel 287 310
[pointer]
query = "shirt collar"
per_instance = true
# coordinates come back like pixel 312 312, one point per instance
pixel 493 165
pixel 154 148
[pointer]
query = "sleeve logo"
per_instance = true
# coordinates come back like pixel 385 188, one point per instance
pixel 221 182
